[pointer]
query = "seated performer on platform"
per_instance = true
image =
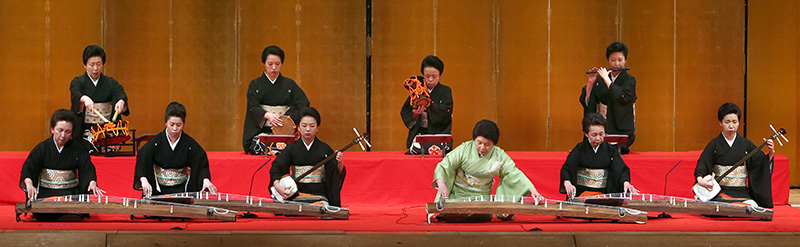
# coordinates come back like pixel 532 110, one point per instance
pixel 469 170
pixel 752 181
pixel 436 118
pixel 594 166
pixel 269 97
pixel 616 93
pixel 323 184
pixel 172 161
pixel 58 166
pixel 94 90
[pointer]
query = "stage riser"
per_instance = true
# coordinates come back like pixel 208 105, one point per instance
pixel 440 239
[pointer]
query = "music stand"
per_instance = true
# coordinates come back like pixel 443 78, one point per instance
pixel 440 138
pixel 275 138
pixel 616 140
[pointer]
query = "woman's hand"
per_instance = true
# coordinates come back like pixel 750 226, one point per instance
pixel 442 189
pixel 706 182
pixel 570 189
pixel 147 190
pixel 30 189
pixel 284 191
pixel 88 103
pixel 119 107
pixel 628 188
pixel 419 110
pixel 603 72
pixel 208 186
pixel 94 189
pixel 274 119
pixel 340 160
pixel 536 196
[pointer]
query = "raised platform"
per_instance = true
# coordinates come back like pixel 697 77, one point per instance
pixel 394 179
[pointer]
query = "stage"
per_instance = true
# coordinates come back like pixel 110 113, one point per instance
pixel 386 192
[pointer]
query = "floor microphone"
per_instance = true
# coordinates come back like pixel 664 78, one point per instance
pixel 664 214
pixel 250 193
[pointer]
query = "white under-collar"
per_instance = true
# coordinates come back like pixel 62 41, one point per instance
pixel 270 80
pixel 308 147
pixel 58 148
pixel 595 148
pixel 173 145
pixel 730 142
pixel 93 80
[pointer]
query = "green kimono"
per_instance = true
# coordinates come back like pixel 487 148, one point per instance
pixel 466 174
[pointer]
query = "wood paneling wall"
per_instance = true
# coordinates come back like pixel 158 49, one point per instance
pixel 519 63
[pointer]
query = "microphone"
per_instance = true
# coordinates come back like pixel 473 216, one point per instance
pixel 248 214
pixel 664 214
pixel 612 69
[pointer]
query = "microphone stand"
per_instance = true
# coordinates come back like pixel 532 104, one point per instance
pixel 248 214
pixel 664 214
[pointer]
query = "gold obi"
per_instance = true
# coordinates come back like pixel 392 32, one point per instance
pixel 171 177
pixel 737 177
pixel 58 179
pixel 274 109
pixel 317 176
pixel 468 180
pixel 592 178
pixel 104 108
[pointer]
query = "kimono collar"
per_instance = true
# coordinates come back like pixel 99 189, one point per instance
pixel 173 145
pixel 56 144
pixel 730 142
pixel 270 80
pixel 93 80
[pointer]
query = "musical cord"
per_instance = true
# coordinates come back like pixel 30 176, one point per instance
pixel 250 193
pixel 405 215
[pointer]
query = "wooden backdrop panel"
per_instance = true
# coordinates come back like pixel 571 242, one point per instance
pixel 403 34
pixel 522 52
pixel 203 70
pixel 772 77
pixel 580 33
pixel 647 27
pixel 137 45
pixel 709 59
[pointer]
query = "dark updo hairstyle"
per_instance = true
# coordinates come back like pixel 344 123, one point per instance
pixel 272 50
pixel 93 51
pixel 617 47
pixel 593 119
pixel 432 61
pixel 728 108
pixel 487 129
pixel 311 112
pixel 175 109
pixel 63 115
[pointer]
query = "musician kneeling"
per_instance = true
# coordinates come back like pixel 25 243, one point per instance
pixel 752 181
pixel 595 166
pixel 172 161
pixel 469 171
pixel 59 166
pixel 321 185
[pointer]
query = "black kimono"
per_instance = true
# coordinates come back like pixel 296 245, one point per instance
pixel 187 153
pixel 607 157
pixel 107 90
pixel 296 154
pixel 759 168
pixel 440 114
pixel 262 92
pixel 619 97
pixel 72 157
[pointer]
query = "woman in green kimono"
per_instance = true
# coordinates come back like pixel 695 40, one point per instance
pixel 469 170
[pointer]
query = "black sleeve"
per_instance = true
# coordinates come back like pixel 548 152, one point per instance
pixel 144 164
pixel 442 113
pixel 118 93
pixel 32 167
pixel 199 162
pixel 570 168
pixel 299 101
pixel 619 170
pixel 281 164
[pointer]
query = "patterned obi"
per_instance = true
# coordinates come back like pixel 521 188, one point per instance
pixel 468 180
pixel 171 177
pixel 58 179
pixel 592 178
pixel 93 118
pixel 737 177
pixel 278 110
pixel 317 176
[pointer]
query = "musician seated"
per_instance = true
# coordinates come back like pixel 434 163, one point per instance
pixel 595 166
pixel 434 119
pixel 172 161
pixel 752 181
pixel 469 171
pixel 59 166
pixel 95 91
pixel 321 185
pixel 269 97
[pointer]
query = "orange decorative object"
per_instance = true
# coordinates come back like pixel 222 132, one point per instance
pixel 417 91
pixel 111 133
